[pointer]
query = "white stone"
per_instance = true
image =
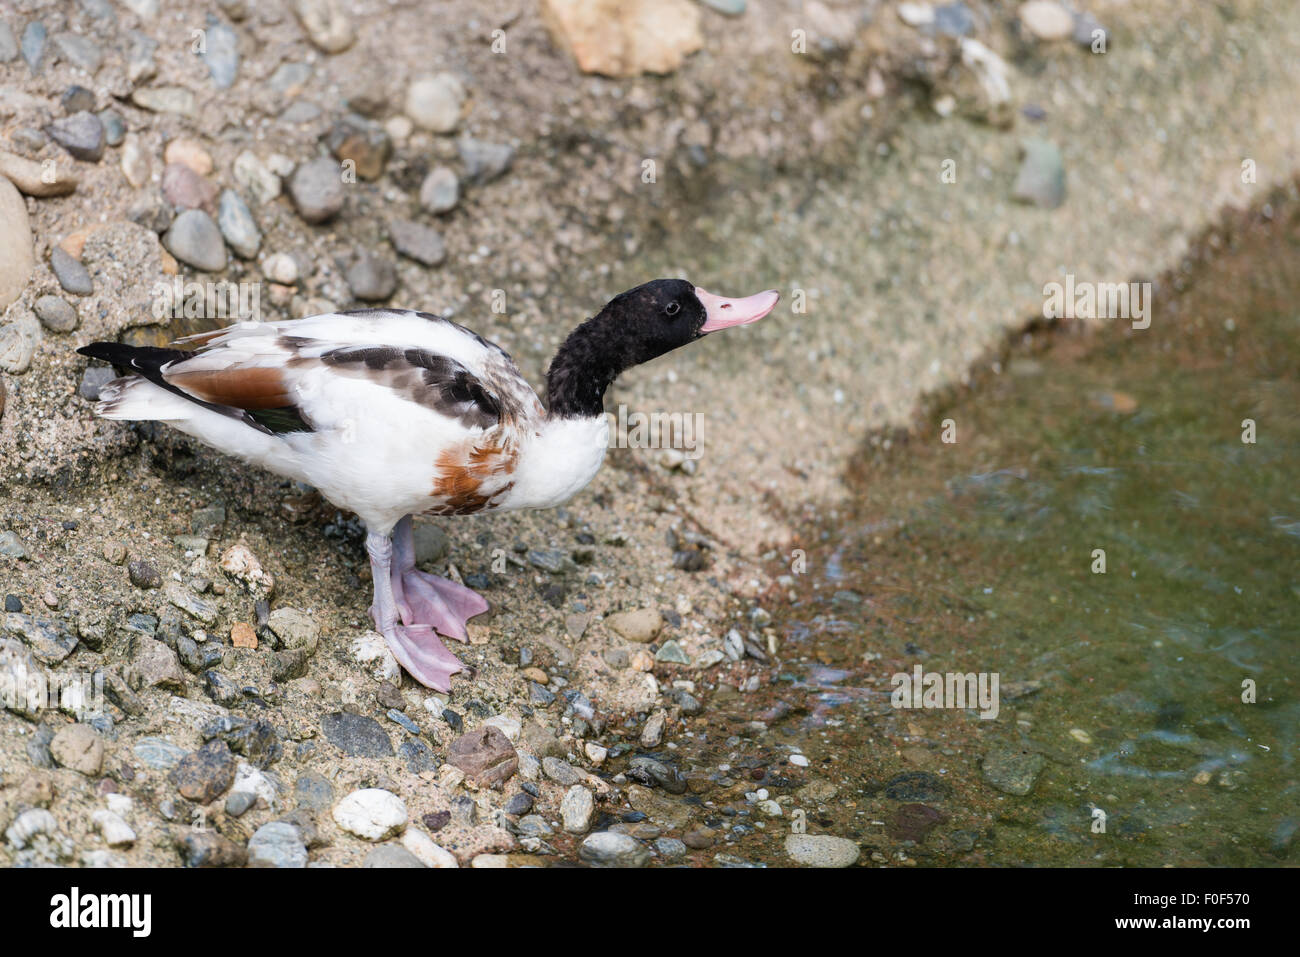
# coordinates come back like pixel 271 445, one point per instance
pixel 249 780
pixel 595 753
pixel 576 810
pixel 821 850
pixel 371 813
pixel 507 725
pixel 115 831
pixel 370 651
pixel 1046 19
pixel 424 848
pixel 434 102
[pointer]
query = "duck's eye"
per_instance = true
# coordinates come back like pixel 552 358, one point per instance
pixel 673 308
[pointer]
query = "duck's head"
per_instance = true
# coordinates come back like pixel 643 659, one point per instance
pixel 636 326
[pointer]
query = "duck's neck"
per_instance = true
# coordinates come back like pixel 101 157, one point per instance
pixel 588 362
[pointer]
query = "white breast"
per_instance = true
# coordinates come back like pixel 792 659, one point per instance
pixel 558 459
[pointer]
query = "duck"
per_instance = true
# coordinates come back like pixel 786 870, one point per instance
pixel 394 413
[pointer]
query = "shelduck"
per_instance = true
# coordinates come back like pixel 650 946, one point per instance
pixel 392 413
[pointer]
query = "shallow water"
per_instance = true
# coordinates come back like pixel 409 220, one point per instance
pixel 1121 712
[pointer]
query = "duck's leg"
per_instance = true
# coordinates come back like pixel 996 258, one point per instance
pixel 415 644
pixel 432 599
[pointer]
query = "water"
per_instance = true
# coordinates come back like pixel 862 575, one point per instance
pixel 1125 703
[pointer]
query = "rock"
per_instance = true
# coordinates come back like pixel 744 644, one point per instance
pixel 622 38
pixel 158 753
pixel 1041 180
pixel 652 734
pixel 1012 771
pixel 78 748
pixel 135 161
pixel 295 628
pixel 93 380
pixel 208 848
pixel 81 52
pixel 313 791
pixel 372 814
pixel 143 575
pixel 277 844
pixel 954 20
pixel 188 153
pixel 166 99
pixel 281 268
pixel 913 822
pixel 434 103
pixel 316 189
pixel 611 849
pixel 356 735
pixel 326 24
pixel 391 855
pixel 56 314
pixel 114 127
pixel 1089 31
pixel 253 176
pixel 76 99
pixel 49 641
pixel 640 625
pixel 72 275
pixel 371 278
pixel 240 564
pixel 425 850
pixel 204 775
pixel 11 547
pixel 486 756
pixel 418 242
pixel 190 603
pixel 17 259
pixel 81 134
pixel 576 810
pixel 37 179
pixel 440 191
pixel 361 142
pixel 237 225
pixel 671 652
pixel 431 543
pixel 484 161
pixel 18 341
pixel 1046 20
pixel 821 850
pixel 195 240
pixel 561 772
pixel 156 665
pixel 33 45
pixel 372 653
pixel 115 831
pixel 916 14
pixel 221 54
pixel 186 189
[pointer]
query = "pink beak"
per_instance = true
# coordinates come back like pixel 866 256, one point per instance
pixel 722 313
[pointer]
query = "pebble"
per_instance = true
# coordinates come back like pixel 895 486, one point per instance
pixel 519 804
pixel 486 756
pixel 391 855
pixel 363 143
pixel 56 315
pixel 282 268
pixel 186 189
pixel 238 802
pixel 915 786
pixel 371 652
pixel 821 850
pixel 639 626
pixel 143 575
pixel 114 127
pixel 115 831
pixel 440 191
pixel 561 772
pixel 221 54
pixel 189 153
pixel 316 189
pixel 33 45
pixel 81 52
pixel 434 103
pixel 652 734
pixel 357 735
pixel 48 640
pixel 1085 27
pixel 611 849
pixel 156 665
pixel 418 242
pixel 17 260
pixel 1012 771
pixel 672 653
pixel 71 274
pixel 208 848
pixel 191 604
pixel 372 814
pixel 484 161
pixel 426 850
pixel 76 99
pixel 78 748
pixel 954 20
pixel 158 753
pixel 914 822
pixel 166 99
pixel 135 161
pixel 1046 19
pixel 195 240
pixel 277 844
pixel 431 543
pixel 916 14
pixel 93 380
pixel 576 810
pixel 204 775
pixel 326 23
pixel 1041 179
pixel 254 177
pixel 30 176
pixel 237 225
pixel 730 8
pixel 371 278
pixel 8 44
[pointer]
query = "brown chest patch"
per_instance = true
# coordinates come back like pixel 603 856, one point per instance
pixel 468 477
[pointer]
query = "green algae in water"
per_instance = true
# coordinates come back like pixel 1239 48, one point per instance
pixel 1170 455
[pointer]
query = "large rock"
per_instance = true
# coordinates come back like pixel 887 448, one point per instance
pixel 625 37
pixel 17 260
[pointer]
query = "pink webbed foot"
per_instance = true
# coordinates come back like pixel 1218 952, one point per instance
pixel 440 602
pixel 420 651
